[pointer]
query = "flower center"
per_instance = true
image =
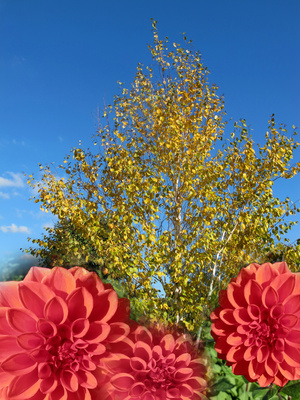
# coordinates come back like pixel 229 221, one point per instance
pixel 161 374
pixel 64 354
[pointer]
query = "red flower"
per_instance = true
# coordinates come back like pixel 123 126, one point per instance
pixel 257 326
pixel 54 328
pixel 152 365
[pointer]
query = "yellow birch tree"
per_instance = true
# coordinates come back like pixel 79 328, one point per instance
pixel 187 203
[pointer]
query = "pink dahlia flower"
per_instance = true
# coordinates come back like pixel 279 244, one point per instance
pixel 257 326
pixel 54 328
pixel 153 365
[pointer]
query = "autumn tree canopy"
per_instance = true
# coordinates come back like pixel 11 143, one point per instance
pixel 187 201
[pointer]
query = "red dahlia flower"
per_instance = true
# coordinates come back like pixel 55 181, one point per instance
pixel 152 365
pixel 54 328
pixel 257 326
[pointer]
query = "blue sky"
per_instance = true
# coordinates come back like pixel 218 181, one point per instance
pixel 61 60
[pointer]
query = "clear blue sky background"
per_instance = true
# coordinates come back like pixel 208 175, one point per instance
pixel 61 59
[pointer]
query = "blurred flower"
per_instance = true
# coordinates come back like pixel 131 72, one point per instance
pixel 257 326
pixel 155 365
pixel 54 328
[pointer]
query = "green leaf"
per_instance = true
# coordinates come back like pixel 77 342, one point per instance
pixel 269 395
pixel 222 385
pixel 292 389
pixel 259 392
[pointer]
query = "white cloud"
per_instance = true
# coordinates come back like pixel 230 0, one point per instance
pixel 18 143
pixel 4 195
pixel 16 181
pixel 14 229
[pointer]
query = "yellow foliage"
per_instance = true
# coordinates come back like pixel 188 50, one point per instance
pixel 184 215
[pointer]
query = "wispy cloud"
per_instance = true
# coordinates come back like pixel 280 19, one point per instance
pixel 18 143
pixel 15 181
pixel 4 195
pixel 14 229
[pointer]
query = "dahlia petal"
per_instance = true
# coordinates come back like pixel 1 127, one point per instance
pixel 147 396
pixel 9 294
pixel 284 285
pixel 288 320
pixel 137 389
pixel 186 390
pixel 87 364
pixel 118 331
pixel 87 279
pixel 221 346
pixel 105 306
pixel 277 356
pixel 297 283
pixel 236 354
pixel 80 327
pixel 81 393
pixel 61 281
pixel 46 328
pixel 24 387
pixel 253 311
pixel 21 319
pixel 281 267
pixel 236 295
pixel 19 364
pixel 271 366
pixel 5 328
pixel 218 328
pixel 265 273
pixel 223 299
pixel 87 379
pixel 8 346
pixel 287 370
pixel 44 370
pixel 292 355
pixel 97 332
pixel 48 385
pixel 157 352
pixel 182 374
pixel 138 364
pixel 253 292
pixel 69 380
pixel 36 274
pixel 56 310
pixel 276 311
pixel 60 393
pixel 250 354
pixel 143 334
pixel 265 380
pixel 142 350
pixel 241 316
pixel 183 359
pixel 123 311
pixel 226 316
pixel 280 380
pixel 269 297
pixel 96 348
pixel 34 295
pixel 167 343
pixel 173 393
pixel 293 338
pixel 5 379
pixel 262 353
pixel 235 339
pixel 116 362
pixel 292 304
pixel 30 341
pixel 80 304
pixel 122 381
